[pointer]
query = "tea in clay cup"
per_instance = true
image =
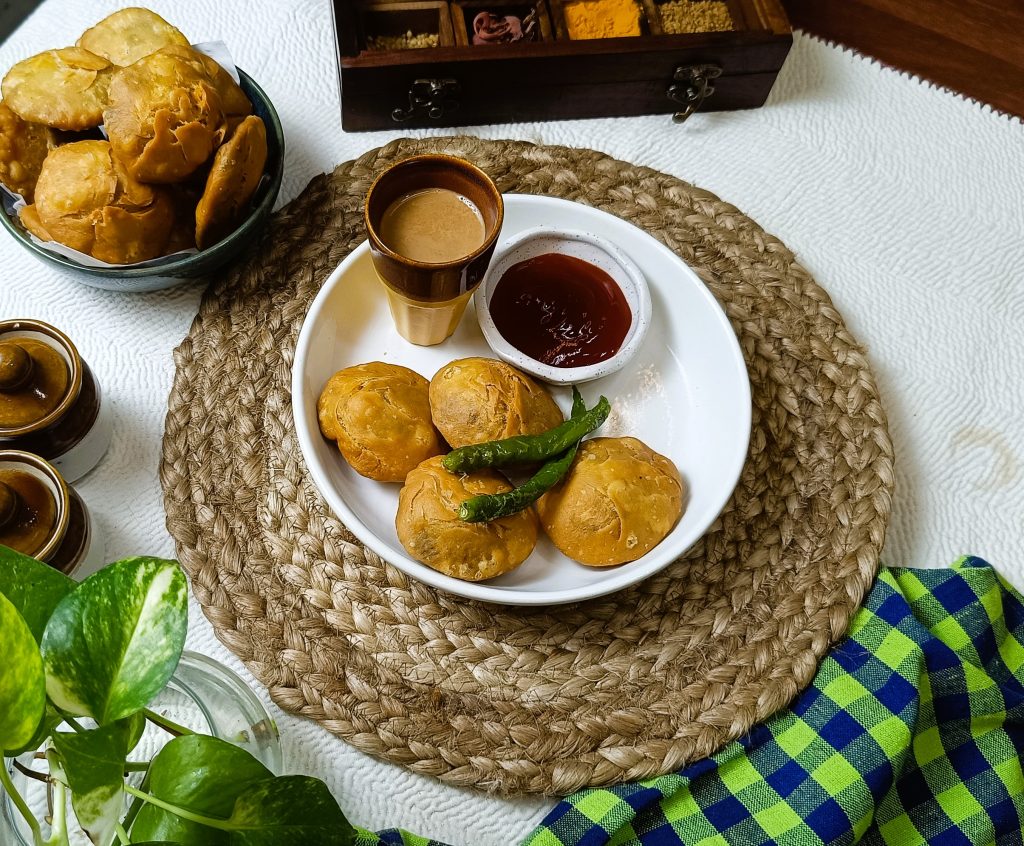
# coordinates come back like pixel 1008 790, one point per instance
pixel 432 222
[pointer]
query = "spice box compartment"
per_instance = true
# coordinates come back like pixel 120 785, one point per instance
pixel 533 17
pixel 676 17
pixel 386 25
pixel 554 77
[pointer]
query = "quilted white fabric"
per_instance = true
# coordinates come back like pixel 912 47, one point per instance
pixel 904 201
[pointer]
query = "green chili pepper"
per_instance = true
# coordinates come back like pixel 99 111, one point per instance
pixel 481 509
pixel 527 449
pixel 579 407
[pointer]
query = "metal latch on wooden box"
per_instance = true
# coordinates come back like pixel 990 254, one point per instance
pixel 691 86
pixel 429 98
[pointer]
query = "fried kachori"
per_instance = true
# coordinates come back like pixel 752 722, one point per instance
pixel 233 179
pixel 166 110
pixel 618 501
pixel 29 217
pixel 164 117
pixel 378 414
pixel 23 149
pixel 129 35
pixel 66 88
pixel 86 199
pixel 473 400
pixel 431 532
pixel 233 100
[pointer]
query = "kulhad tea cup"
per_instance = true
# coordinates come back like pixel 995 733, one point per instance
pixel 428 299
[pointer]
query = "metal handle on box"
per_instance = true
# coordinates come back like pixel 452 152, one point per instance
pixel 429 98
pixel 691 86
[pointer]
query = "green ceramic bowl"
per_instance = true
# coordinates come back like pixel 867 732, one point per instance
pixel 157 275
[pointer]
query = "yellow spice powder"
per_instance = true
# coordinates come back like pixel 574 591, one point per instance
pixel 602 18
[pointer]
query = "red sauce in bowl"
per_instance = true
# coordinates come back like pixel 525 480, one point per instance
pixel 561 311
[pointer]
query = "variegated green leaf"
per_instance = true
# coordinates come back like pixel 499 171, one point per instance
pixel 288 811
pixel 136 728
pixel 113 642
pixel 32 587
pixel 93 763
pixel 22 692
pixel 51 719
pixel 203 775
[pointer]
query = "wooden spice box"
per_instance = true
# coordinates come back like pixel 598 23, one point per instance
pixel 551 77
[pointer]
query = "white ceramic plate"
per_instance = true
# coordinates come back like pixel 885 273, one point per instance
pixel 685 394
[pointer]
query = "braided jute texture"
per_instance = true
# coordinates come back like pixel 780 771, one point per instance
pixel 527 700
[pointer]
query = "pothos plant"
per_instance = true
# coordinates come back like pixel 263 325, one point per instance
pixel 79 663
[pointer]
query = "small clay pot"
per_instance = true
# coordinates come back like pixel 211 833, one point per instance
pixel 42 516
pixel 50 401
pixel 427 300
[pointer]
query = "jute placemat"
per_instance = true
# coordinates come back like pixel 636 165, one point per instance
pixel 513 699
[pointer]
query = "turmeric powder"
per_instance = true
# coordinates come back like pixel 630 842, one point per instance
pixel 602 18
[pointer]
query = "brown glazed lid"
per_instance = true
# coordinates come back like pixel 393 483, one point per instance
pixel 34 504
pixel 40 376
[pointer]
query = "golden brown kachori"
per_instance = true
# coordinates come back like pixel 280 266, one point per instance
pixel 618 501
pixel 85 198
pixel 473 400
pixel 66 88
pixel 233 179
pixel 167 111
pixel 29 217
pixel 129 35
pixel 233 99
pixel 430 529
pixel 379 416
pixel 23 149
pixel 164 116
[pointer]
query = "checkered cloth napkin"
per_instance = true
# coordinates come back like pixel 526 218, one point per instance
pixel 911 733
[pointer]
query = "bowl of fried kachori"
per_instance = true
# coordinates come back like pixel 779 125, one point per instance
pixel 141 162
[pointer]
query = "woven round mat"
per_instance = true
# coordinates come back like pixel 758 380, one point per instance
pixel 509 699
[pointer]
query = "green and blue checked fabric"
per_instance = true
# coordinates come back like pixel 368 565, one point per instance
pixel 911 733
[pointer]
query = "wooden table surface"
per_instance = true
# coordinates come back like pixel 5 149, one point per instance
pixel 974 47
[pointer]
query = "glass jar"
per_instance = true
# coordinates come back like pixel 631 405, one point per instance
pixel 204 696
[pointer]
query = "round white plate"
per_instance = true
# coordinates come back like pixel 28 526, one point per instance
pixel 685 394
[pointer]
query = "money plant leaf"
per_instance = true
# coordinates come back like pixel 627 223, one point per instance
pixel 32 587
pixel 288 811
pixel 136 728
pixel 51 719
pixel 93 763
pixel 203 775
pixel 113 642
pixel 22 689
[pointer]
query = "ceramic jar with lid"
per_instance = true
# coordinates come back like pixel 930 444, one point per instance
pixel 49 399
pixel 42 516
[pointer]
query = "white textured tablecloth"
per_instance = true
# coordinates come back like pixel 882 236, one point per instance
pixel 905 202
